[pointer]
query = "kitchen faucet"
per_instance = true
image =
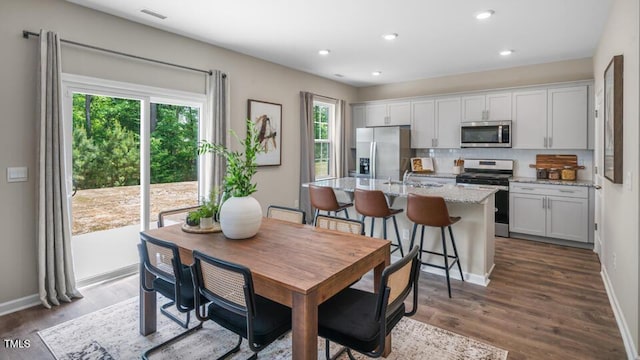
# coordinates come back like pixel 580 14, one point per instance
pixel 406 176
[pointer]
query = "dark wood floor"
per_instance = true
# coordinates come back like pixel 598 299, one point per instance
pixel 544 302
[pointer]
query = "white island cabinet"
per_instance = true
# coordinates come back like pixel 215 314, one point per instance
pixel 552 211
pixel 474 234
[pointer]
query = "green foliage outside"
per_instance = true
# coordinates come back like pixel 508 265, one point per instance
pixel 321 133
pixel 106 142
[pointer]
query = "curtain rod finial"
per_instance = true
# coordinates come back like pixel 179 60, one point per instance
pixel 25 34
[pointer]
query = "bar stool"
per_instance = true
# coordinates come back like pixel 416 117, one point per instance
pixel 432 211
pixel 323 198
pixel 372 203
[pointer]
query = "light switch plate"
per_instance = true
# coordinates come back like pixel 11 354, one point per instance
pixel 17 174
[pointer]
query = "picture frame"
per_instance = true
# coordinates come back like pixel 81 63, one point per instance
pixel 613 150
pixel 267 118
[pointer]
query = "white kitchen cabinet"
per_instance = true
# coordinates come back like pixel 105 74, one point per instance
pixel 357 121
pixel 423 124
pixel 388 114
pixel 567 118
pixel 435 123
pixel 554 211
pixel 529 119
pixel 551 118
pixel 486 107
pixel 447 121
pixel 527 214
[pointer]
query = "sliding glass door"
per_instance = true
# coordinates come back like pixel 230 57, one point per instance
pixel 133 154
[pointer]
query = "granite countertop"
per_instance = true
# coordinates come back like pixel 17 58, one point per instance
pixel 450 192
pixel 585 183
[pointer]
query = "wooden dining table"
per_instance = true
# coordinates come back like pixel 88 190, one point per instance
pixel 297 265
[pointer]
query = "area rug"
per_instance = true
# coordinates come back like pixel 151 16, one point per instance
pixel 112 333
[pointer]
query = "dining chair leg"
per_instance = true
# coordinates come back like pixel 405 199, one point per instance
pixel 395 225
pixel 455 252
pixel 315 216
pixel 446 260
pixel 346 213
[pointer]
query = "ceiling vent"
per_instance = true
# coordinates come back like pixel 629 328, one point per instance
pixel 153 13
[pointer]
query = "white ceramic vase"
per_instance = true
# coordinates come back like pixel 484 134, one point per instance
pixel 240 217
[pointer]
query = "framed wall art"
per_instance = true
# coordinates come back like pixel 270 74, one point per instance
pixel 613 120
pixel 267 118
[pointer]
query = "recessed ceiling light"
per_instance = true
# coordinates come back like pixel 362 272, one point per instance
pixel 506 52
pixel 153 13
pixel 324 52
pixel 484 14
pixel 376 73
pixel 391 36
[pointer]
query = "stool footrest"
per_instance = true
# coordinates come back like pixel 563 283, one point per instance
pixel 440 266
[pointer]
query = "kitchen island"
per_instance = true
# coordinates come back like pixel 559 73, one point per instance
pixel 474 234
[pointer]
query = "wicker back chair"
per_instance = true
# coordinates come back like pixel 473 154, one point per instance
pixel 287 214
pixel 172 279
pixel 234 304
pixel 361 320
pixel 177 215
pixel 340 224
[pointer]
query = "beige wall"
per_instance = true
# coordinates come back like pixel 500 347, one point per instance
pixel 620 234
pixel 250 78
pixel 569 70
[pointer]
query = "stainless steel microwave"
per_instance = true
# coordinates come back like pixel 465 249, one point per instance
pixel 485 134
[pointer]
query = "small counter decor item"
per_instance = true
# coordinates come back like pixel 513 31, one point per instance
pixel 541 173
pixel 240 213
pixel 568 173
pixel 554 174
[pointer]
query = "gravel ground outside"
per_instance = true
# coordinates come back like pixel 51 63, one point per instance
pixel 109 208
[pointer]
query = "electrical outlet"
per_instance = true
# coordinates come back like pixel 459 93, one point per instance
pixel 405 234
pixel 613 262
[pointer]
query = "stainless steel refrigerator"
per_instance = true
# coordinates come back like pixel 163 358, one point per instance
pixel 383 152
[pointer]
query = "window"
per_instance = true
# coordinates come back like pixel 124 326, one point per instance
pixel 324 154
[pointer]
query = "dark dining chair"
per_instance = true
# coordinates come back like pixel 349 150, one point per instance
pixel 234 304
pixel 172 279
pixel 360 320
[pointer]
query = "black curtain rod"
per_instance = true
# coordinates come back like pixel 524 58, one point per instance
pixel 26 34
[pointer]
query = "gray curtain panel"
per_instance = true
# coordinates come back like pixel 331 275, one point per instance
pixel 307 159
pixel 216 127
pixel 56 279
pixel 342 151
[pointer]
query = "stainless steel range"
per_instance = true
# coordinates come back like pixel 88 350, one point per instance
pixel 494 174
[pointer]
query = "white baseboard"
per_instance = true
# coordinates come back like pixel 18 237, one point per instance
pixel 33 300
pixel 629 346
pixel 472 278
pixel 454 274
pixel 19 304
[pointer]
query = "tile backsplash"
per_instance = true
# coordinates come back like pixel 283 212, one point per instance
pixel 443 159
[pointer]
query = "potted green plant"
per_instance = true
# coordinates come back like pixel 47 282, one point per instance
pixel 240 213
pixel 207 212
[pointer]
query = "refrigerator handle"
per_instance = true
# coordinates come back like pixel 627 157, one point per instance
pixel 374 146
